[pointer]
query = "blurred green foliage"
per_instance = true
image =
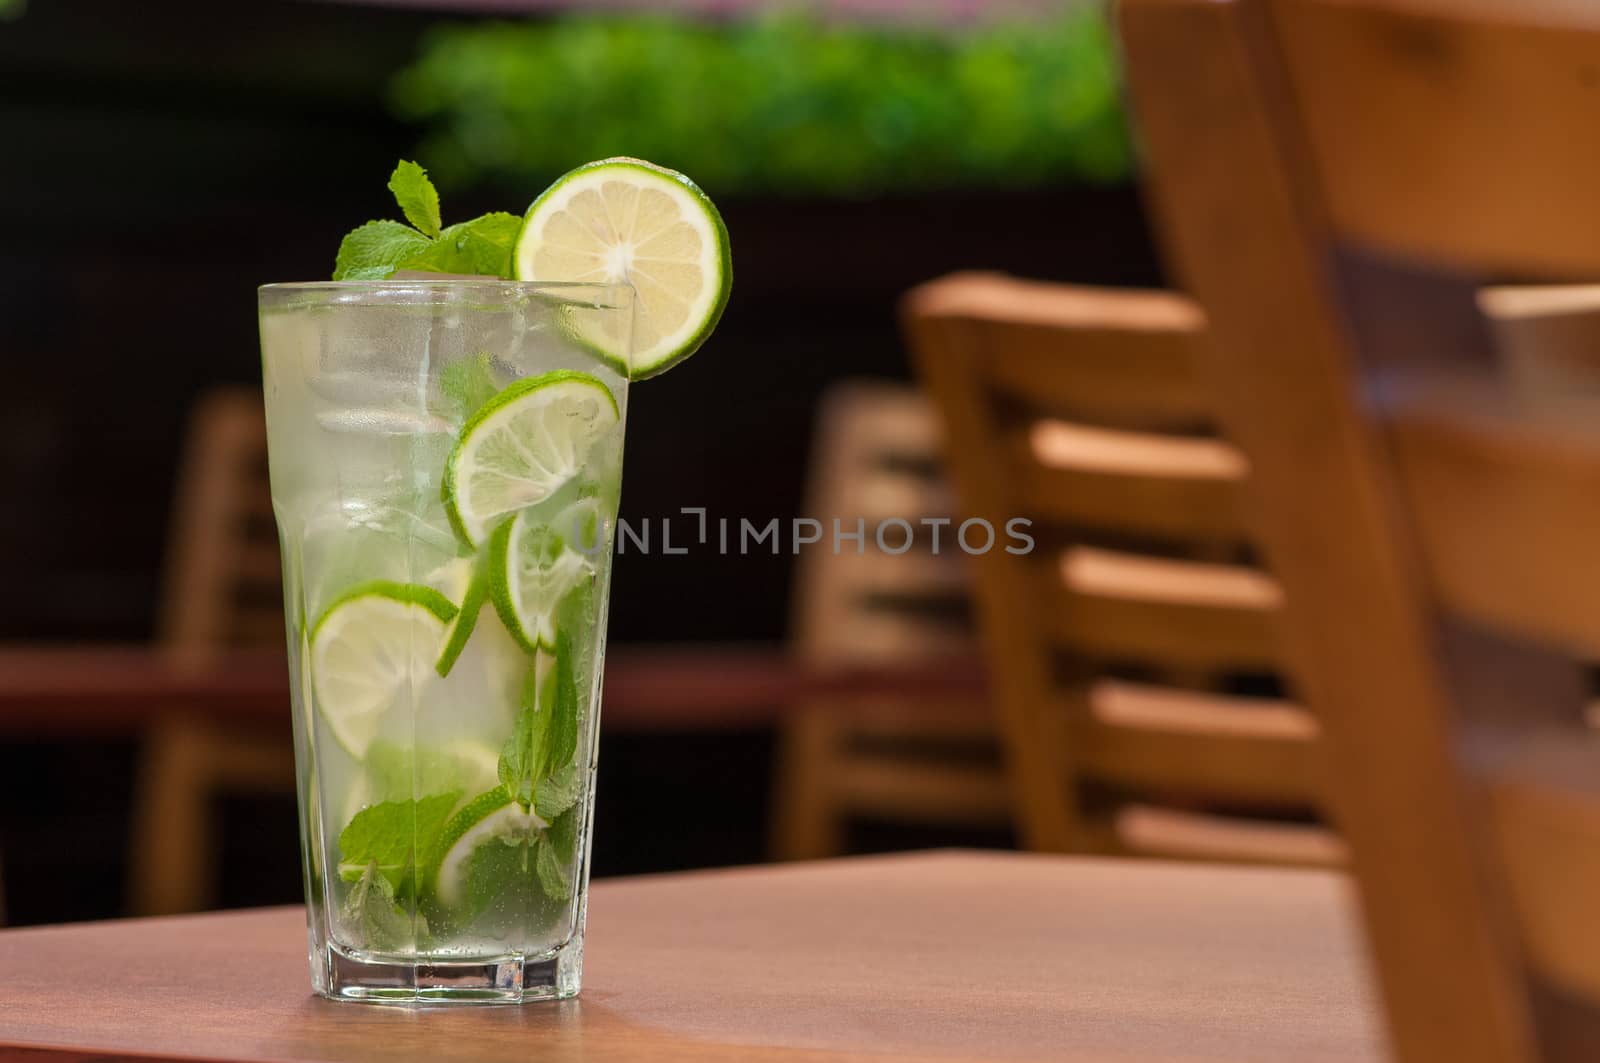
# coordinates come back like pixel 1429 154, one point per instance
pixel 780 104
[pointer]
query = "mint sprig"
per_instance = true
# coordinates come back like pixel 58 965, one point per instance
pixel 389 837
pixel 557 792
pixel 535 760
pixel 379 854
pixel 553 863
pixel 418 199
pixel 551 872
pixel 380 249
pixel 373 252
pixel 525 757
pixel 562 740
pixel 481 247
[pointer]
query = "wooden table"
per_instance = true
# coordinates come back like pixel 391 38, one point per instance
pixel 946 956
pixel 115 691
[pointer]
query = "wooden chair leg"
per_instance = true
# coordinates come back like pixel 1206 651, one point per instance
pixel 1046 807
pixel 806 820
pixel 172 825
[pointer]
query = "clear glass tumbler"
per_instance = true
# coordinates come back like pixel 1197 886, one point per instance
pixel 446 460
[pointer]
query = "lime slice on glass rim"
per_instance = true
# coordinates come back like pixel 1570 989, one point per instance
pixel 374 642
pixel 627 220
pixel 521 446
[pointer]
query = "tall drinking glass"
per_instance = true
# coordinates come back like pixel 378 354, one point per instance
pixel 446 460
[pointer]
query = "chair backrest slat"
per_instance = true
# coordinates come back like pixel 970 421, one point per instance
pixel 1482 107
pixel 1079 412
pixel 1133 482
pixel 1125 608
pixel 1505 496
pixel 1133 357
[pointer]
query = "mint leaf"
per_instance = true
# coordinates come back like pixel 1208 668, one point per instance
pixel 418 199
pixel 504 895
pixel 371 913
pixel 557 792
pixel 552 874
pixel 469 383
pixel 387 837
pixel 563 834
pixel 497 877
pixel 562 741
pixel 555 854
pixel 374 251
pixel 545 737
pixel 522 758
pixel 480 247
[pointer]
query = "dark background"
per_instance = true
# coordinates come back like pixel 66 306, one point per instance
pixel 164 159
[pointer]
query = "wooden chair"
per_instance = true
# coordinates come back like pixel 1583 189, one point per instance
pixel 1109 643
pixel 875 458
pixel 1337 178
pixel 223 590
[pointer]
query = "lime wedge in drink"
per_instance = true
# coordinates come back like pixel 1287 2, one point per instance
pixel 532 569
pixel 376 641
pixel 464 582
pixel 493 815
pixel 395 772
pixel 521 446
pixel 628 220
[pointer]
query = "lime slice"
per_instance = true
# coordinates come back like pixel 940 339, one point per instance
pixel 462 626
pixel 586 525
pixel 467 583
pixel 531 571
pixel 521 446
pixel 491 816
pixel 396 772
pixel 626 220
pixel 452 579
pixel 378 640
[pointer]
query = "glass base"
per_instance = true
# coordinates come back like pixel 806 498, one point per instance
pixel 511 979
